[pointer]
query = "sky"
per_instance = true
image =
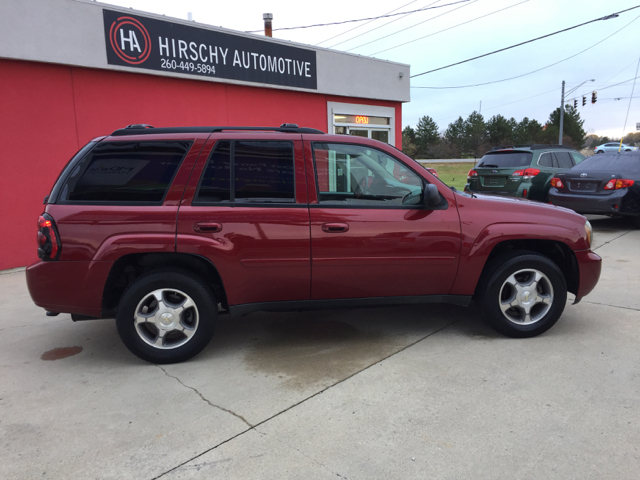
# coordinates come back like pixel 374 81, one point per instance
pixel 450 31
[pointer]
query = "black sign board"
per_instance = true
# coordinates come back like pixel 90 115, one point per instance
pixel 141 42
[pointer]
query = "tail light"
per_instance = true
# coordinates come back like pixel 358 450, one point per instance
pixel 618 184
pixel 472 173
pixel 526 173
pixel 432 171
pixel 557 183
pixel 48 239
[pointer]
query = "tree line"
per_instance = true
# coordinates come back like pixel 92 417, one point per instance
pixel 472 137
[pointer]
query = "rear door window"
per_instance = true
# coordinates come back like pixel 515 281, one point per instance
pixel 243 171
pixel 125 173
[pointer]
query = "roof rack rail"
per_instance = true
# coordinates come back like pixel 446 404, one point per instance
pixel 139 125
pixel 143 129
pixel 543 146
pixel 535 146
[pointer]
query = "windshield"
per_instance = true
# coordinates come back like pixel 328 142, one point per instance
pixel 506 159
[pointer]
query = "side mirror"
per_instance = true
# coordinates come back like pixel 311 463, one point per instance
pixel 431 196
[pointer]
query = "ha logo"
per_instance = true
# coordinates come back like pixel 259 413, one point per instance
pixel 130 40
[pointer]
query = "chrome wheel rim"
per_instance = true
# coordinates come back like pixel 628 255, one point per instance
pixel 166 318
pixel 526 296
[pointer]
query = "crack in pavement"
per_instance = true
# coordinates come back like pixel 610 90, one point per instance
pixel 607 243
pixel 614 306
pixel 291 407
pixel 205 399
pixel 302 453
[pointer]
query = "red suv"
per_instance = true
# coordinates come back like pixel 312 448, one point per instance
pixel 167 228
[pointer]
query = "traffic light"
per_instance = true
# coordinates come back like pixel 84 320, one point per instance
pixel 584 100
pixel 594 97
pixel 575 103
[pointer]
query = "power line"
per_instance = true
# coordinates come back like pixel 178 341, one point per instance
pixel 619 83
pixel 614 76
pixel 415 25
pixel 450 28
pixel 362 19
pixel 607 17
pixel 367 23
pixel 383 25
pixel 539 69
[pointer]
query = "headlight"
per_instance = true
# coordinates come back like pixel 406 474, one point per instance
pixel 589 230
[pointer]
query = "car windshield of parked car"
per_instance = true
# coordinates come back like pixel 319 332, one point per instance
pixel 508 159
pixel 610 163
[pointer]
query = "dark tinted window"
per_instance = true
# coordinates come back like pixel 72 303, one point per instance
pixel 128 172
pixel 564 159
pixel 506 159
pixel 546 160
pixel 607 162
pixel 216 179
pixel 263 172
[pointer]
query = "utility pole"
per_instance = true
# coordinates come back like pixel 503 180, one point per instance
pixel 561 113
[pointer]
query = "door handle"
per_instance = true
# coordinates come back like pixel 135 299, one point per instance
pixel 334 227
pixel 207 227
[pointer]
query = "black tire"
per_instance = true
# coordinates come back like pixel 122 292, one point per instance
pixel 166 316
pixel 505 297
pixel 600 151
pixel 636 221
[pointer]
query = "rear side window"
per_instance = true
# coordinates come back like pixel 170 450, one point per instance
pixel 564 159
pixel 548 160
pixel 506 159
pixel 248 171
pixel 125 172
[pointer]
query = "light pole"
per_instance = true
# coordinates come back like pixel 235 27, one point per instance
pixel 561 113
pixel 562 105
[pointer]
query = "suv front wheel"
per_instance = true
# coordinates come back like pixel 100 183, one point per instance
pixel 524 296
pixel 166 316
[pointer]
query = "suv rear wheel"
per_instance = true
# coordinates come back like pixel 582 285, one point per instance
pixel 166 316
pixel 524 295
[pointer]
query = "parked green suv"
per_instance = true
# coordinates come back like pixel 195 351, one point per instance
pixel 521 170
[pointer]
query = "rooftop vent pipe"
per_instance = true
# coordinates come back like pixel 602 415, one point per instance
pixel 267 17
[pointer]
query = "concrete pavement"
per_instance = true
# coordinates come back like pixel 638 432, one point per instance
pixel 411 392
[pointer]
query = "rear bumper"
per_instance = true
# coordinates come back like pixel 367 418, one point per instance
pixel 68 287
pixel 589 265
pixel 592 204
pixel 531 192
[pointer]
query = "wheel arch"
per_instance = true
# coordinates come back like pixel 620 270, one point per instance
pixel 128 268
pixel 558 252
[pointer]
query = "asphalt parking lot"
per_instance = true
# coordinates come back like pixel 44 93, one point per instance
pixel 385 393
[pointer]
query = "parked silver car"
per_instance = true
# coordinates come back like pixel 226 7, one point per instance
pixel 613 147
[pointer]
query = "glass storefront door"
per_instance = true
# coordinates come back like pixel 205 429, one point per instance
pixel 377 128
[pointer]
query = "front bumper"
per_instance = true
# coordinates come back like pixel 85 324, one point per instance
pixel 590 266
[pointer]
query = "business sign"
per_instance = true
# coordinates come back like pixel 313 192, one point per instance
pixel 140 42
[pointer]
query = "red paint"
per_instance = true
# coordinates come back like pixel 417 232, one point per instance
pixel 56 109
pixel 284 253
